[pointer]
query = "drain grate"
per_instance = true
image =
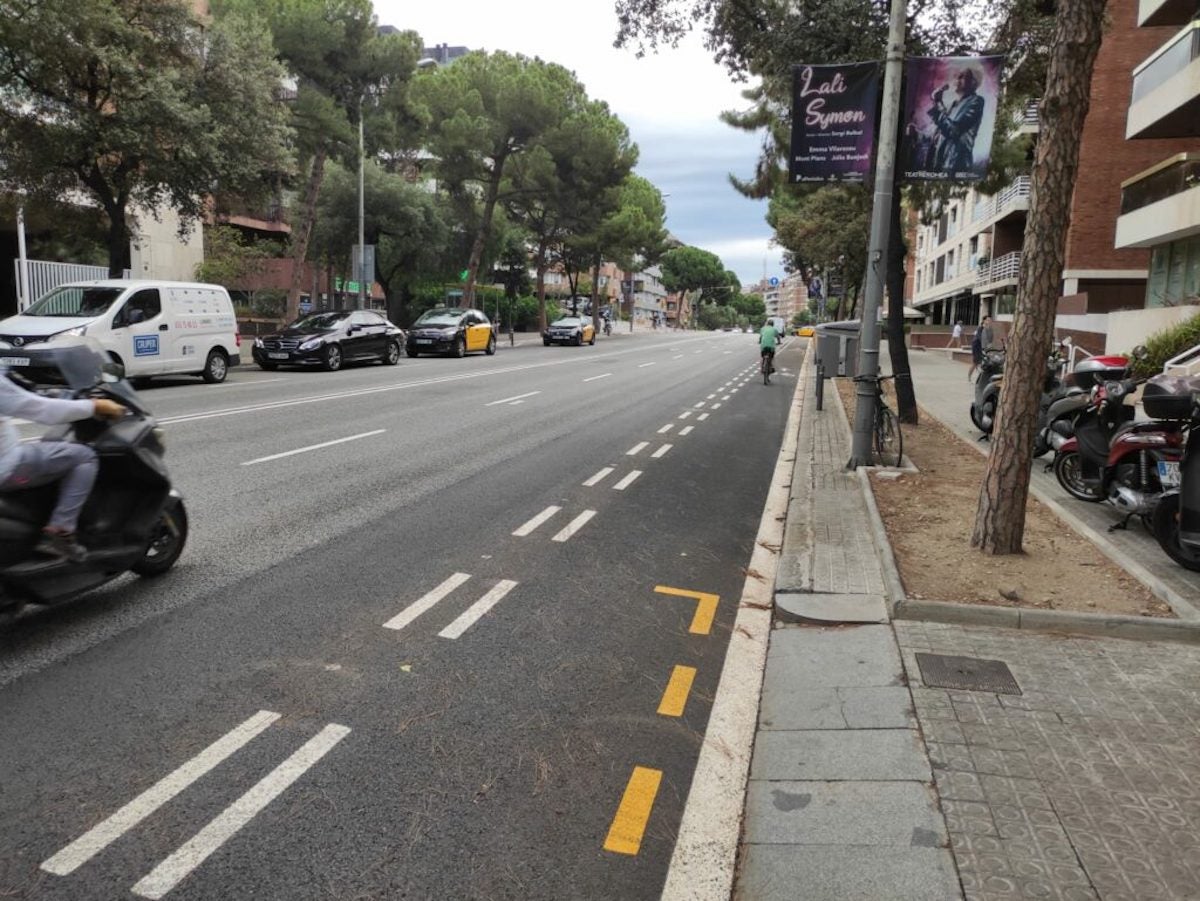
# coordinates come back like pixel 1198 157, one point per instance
pixel 967 674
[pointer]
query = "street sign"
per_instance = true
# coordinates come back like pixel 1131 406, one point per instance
pixel 773 281
pixel 364 272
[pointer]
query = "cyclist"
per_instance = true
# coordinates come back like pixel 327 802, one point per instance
pixel 768 337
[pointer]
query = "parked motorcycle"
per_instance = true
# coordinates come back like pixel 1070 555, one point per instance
pixel 987 394
pixel 1056 424
pixel 1176 520
pixel 133 521
pixel 1112 458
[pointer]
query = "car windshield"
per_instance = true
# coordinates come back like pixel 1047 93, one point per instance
pixel 74 300
pixel 319 322
pixel 440 317
pixel 569 321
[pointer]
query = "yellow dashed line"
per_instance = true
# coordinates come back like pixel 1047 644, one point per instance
pixel 629 825
pixel 674 699
pixel 706 607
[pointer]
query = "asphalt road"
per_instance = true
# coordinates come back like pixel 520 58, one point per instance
pixel 449 629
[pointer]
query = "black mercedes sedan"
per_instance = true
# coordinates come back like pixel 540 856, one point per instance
pixel 330 339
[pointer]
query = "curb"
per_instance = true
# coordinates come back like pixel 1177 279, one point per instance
pixel 1094 624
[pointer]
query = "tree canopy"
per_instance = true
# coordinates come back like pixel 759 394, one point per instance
pixel 133 102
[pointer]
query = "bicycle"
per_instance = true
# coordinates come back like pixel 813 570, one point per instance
pixel 767 366
pixel 889 442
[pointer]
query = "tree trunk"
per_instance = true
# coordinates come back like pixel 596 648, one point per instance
pixel 308 215
pixel 540 284
pixel 118 241
pixel 485 227
pixel 1000 520
pixel 906 397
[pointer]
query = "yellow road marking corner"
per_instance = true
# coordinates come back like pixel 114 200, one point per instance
pixel 706 607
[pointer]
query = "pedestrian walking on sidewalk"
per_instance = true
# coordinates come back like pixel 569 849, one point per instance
pixel 984 336
pixel 956 336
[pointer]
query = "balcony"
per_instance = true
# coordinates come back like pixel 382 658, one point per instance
pixel 998 273
pixel 1166 89
pixel 1029 122
pixel 1165 12
pixel 1161 204
pixel 1013 199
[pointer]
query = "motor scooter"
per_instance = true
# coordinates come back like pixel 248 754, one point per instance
pixel 1112 458
pixel 133 521
pixel 1176 520
pixel 1056 424
pixel 987 394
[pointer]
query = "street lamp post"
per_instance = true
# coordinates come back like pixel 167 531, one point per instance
pixel 362 249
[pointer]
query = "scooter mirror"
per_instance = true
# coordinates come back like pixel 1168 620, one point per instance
pixel 1140 352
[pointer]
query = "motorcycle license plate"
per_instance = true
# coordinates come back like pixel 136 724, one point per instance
pixel 1168 474
pixel 278 356
pixel 14 361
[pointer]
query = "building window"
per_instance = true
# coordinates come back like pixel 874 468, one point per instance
pixel 1174 273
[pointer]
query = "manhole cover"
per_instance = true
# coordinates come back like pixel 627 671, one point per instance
pixel 967 673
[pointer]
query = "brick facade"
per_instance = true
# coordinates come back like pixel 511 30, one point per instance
pixel 1105 157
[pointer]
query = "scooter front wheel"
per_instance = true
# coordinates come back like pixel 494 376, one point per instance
pixel 1068 469
pixel 1165 524
pixel 166 542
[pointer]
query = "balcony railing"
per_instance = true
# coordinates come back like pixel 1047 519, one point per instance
pixel 1029 116
pixel 1001 269
pixel 1175 176
pixel 1171 58
pixel 1015 193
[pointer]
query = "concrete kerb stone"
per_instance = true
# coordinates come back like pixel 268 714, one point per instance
pixel 1185 629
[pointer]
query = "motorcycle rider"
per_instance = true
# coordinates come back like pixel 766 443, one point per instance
pixel 34 463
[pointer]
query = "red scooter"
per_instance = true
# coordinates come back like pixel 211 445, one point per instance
pixel 1111 458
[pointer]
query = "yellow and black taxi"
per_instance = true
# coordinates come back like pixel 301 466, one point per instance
pixel 330 339
pixel 450 330
pixel 575 330
pixel 805 331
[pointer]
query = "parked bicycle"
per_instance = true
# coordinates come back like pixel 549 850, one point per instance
pixel 888 441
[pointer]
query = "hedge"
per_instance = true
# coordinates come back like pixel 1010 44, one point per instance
pixel 1168 343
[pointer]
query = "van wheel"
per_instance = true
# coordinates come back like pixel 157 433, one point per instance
pixel 216 367
pixel 391 354
pixel 333 358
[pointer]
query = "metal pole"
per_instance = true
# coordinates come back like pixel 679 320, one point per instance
pixel 885 165
pixel 23 298
pixel 362 249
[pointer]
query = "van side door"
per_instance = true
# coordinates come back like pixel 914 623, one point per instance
pixel 140 333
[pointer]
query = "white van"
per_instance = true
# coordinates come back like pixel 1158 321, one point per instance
pixel 149 327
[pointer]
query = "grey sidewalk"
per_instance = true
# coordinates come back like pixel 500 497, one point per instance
pixel 1084 785
pixel 841 801
pixel 943 390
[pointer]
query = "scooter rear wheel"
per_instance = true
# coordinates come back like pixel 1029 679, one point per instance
pixel 1068 469
pixel 1165 523
pixel 169 537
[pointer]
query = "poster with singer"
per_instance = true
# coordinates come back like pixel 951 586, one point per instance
pixel 950 117
pixel 834 112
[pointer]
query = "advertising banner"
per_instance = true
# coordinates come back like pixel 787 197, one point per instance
pixel 950 117
pixel 834 112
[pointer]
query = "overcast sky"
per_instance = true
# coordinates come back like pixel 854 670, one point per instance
pixel 669 101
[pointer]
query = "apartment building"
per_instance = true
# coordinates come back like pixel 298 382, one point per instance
pixel 967 261
pixel 1160 206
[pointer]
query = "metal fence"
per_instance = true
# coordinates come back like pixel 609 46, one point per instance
pixel 44 276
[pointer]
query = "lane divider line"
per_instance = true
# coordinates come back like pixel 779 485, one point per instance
pixel 595 377
pixel 313 447
pixel 598 477
pixel 662 451
pixel 706 607
pixel 637 449
pixel 701 404
pixel 727 396
pixel 196 850
pixel 516 398
pixel 710 397
pixel 104 834
pixel 702 417
pixel 716 406
pixel 679 686
pixel 685 414
pixel 473 613
pixel 627 481
pixel 666 428
pixel 574 525
pixel 417 607
pixel 686 430
pixel 536 521
pixel 644 365
pixel 629 824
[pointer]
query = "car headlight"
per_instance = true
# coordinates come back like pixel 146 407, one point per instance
pixel 449 332
pixel 77 332
pixel 311 344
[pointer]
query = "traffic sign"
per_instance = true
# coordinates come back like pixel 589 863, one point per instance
pixel 773 281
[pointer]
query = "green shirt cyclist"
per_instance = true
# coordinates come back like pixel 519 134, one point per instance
pixel 768 337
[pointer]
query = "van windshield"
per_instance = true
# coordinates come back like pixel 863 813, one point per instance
pixel 74 301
